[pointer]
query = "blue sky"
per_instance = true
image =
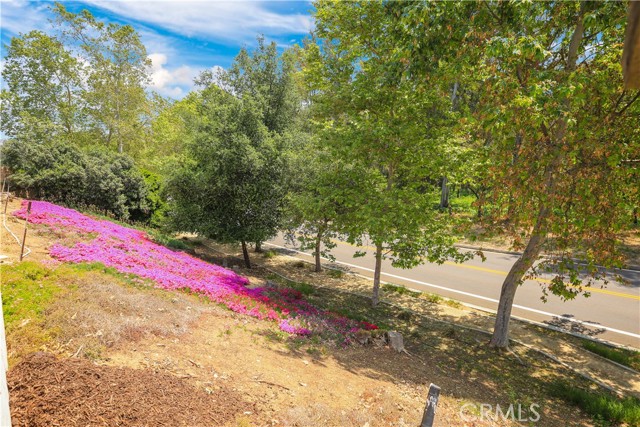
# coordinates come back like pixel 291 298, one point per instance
pixel 182 37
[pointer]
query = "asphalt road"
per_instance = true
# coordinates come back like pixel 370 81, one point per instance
pixel 611 313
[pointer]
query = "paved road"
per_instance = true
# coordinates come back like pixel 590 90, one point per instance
pixel 611 313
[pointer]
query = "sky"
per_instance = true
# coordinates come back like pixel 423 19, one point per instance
pixel 182 38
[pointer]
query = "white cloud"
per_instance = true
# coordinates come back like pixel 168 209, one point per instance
pixel 169 82
pixel 22 16
pixel 221 20
pixel 175 82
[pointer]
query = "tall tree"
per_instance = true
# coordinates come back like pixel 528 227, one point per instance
pixel 43 88
pixel 116 73
pixel 316 200
pixel 561 129
pixel 387 127
pixel 229 187
pixel 267 78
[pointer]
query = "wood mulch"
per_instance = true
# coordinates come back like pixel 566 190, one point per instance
pixel 46 391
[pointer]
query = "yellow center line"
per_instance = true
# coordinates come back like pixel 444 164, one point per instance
pixel 504 273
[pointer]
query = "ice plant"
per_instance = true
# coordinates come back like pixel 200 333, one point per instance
pixel 130 251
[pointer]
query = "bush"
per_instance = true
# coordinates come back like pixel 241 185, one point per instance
pixel 624 357
pixel 63 173
pixel 155 203
pixel 599 405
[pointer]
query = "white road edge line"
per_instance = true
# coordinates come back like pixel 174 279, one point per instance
pixel 533 310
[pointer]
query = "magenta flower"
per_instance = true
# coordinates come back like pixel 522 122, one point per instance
pixel 130 251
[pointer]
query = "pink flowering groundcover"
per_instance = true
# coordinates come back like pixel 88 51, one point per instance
pixel 130 251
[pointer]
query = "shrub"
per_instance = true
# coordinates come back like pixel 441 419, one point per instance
pixel 600 405
pixel 63 173
pixel 624 357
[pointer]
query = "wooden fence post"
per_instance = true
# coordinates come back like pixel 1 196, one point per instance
pixel 24 236
pixel 429 414
pixel 6 202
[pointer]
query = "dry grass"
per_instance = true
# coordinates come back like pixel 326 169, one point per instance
pixel 103 311
pixel 82 310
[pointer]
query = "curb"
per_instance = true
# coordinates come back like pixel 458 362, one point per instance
pixel 469 327
pixel 631 267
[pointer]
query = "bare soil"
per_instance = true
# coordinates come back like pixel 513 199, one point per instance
pixel 564 347
pixel 168 358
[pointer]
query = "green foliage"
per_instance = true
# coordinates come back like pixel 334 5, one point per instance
pixel 116 78
pixel 42 79
pixel 173 124
pixel 84 85
pixel 269 254
pixel 230 187
pixel 155 205
pixel 62 173
pixel 601 406
pixel 168 241
pixel 316 198
pixel 393 132
pixel 28 289
pixel 336 274
pixel 267 77
pixel 305 288
pixel 399 289
pixel 624 357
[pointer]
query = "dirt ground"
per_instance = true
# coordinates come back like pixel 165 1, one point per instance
pixel 563 347
pixel 173 359
pixel 294 386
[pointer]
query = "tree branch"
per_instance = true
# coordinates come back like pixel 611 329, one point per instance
pixel 619 113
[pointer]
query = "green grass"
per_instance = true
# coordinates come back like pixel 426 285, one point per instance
pixel 464 202
pixel 168 241
pixel 432 298
pixel 125 278
pixel 601 406
pixel 336 274
pixel 269 254
pixel 27 289
pixel 388 287
pixel 305 288
pixel 624 357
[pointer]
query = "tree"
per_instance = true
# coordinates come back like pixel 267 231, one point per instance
pixel 560 128
pixel 43 81
pixel 572 118
pixel 116 74
pixel 229 187
pixel 315 201
pixel 267 77
pixel 387 128
pixel 86 85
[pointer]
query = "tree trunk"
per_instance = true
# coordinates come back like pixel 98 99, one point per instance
pixel 258 247
pixel 500 336
pixel 245 253
pixel 318 268
pixel 376 276
pixel 510 285
pixel 444 194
